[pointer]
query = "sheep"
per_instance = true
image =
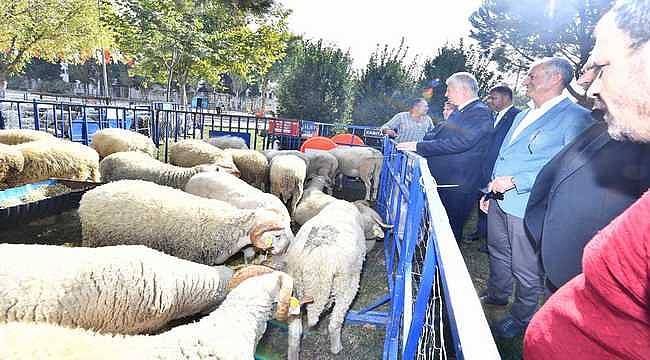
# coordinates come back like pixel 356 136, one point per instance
pixel 325 260
pixel 139 166
pixel 207 231
pixel 323 163
pixel 252 165
pixel 228 142
pixel 109 141
pixel 114 289
pixel 361 162
pixel 231 332
pixel 20 136
pixel 44 159
pixel 313 200
pixel 188 153
pixel 236 192
pixel 287 177
pixel 11 162
pixel 271 153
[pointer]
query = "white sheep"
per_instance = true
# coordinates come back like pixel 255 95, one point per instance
pixel 139 166
pixel 252 165
pixel 44 159
pixel 360 162
pixel 207 231
pixel 313 199
pixel 188 153
pixel 109 141
pixel 115 289
pixel 231 332
pixel 19 136
pixel 228 142
pixel 236 192
pixel 11 162
pixel 287 177
pixel 325 260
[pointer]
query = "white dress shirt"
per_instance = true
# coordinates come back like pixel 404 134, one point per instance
pixel 500 115
pixel 534 114
pixel 463 105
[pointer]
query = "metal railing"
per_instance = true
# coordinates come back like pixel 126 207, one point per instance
pixel 435 312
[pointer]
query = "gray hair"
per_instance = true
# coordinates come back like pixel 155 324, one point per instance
pixel 633 17
pixel 466 80
pixel 559 66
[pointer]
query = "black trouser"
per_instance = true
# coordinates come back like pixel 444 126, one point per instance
pixel 458 205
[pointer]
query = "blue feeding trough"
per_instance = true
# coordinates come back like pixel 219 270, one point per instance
pixel 25 212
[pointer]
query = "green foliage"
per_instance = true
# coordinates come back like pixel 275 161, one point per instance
pixel 44 70
pixel 517 32
pixel 452 58
pixel 48 29
pixel 385 87
pixel 317 83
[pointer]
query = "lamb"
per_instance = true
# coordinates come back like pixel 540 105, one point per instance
pixel 325 260
pixel 44 159
pixel 361 162
pixel 109 141
pixel 225 187
pixel 228 142
pixel 287 177
pixel 231 332
pixel 313 200
pixel 11 162
pixel 207 231
pixel 114 289
pixel 188 153
pixel 140 166
pixel 20 136
pixel 252 165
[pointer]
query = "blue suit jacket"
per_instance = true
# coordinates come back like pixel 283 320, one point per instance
pixel 500 132
pixel 456 148
pixel 535 146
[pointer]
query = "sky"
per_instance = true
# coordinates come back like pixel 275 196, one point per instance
pixel 359 25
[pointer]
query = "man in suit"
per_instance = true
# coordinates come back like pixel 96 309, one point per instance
pixel 455 149
pixel 590 182
pixel 536 135
pixel 500 101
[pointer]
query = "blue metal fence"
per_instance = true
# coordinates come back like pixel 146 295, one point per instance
pixel 434 309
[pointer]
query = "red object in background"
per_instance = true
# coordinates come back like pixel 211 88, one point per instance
pixel 107 56
pixel 347 139
pixel 284 127
pixel 318 143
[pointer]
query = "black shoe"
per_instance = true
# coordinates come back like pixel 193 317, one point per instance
pixel 488 300
pixel 483 248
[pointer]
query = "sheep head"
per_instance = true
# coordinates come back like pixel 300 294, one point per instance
pixel 269 232
pixel 285 303
pixel 373 226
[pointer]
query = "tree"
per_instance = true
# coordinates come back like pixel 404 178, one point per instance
pixel 517 32
pixel 317 83
pixel 452 58
pixel 49 30
pixel 188 40
pixel 385 87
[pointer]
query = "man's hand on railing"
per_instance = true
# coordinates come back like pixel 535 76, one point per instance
pixel 502 184
pixel 484 204
pixel 407 146
pixel 390 133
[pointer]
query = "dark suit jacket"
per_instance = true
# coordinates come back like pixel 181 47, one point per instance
pixel 500 132
pixel 590 182
pixel 456 148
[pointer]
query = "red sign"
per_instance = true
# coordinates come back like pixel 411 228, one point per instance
pixel 284 127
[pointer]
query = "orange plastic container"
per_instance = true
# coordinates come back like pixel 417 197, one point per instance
pixel 318 143
pixel 347 139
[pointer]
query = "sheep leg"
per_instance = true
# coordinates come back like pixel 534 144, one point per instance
pixel 295 335
pixel 321 294
pixel 366 182
pixel 345 288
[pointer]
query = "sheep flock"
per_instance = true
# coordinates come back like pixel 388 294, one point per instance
pixel 159 272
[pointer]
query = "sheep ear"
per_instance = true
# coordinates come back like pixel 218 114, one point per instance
pixel 263 227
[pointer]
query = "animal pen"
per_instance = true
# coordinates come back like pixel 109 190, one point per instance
pixel 434 312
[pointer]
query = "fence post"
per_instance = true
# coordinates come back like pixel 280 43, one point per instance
pixel 37 125
pixel 84 126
